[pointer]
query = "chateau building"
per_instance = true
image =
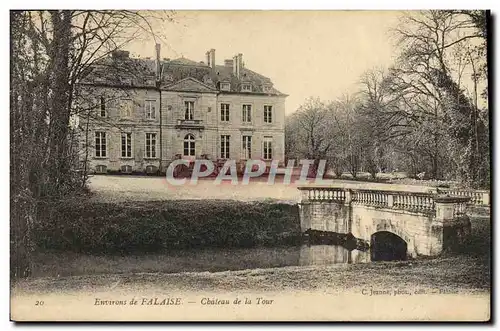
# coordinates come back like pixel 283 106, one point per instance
pixel 138 115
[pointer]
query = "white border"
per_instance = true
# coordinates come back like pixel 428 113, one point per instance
pixel 192 5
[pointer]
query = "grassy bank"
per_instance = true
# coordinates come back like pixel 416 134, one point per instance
pixel 465 270
pixel 149 226
pixel 464 274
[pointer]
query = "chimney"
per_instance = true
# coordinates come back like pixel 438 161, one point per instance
pixel 240 63
pixel 235 66
pixel 212 58
pixel 228 63
pixel 158 62
pixel 208 58
pixel 119 54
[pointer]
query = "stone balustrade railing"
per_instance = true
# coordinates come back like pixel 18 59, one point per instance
pixel 459 209
pixel 371 198
pixel 413 201
pixel 323 194
pixel 478 197
pixel 410 201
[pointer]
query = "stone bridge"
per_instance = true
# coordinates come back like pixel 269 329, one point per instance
pixel 424 223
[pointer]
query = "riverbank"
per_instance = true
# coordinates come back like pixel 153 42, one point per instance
pixel 421 289
pixel 467 270
pixel 461 274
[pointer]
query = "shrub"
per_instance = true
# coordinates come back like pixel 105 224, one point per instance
pixel 132 227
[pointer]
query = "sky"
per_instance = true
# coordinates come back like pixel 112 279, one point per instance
pixel 305 53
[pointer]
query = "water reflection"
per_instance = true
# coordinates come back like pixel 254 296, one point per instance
pixel 331 254
pixel 199 260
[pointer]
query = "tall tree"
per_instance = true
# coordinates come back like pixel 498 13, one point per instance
pixel 427 40
pixel 51 52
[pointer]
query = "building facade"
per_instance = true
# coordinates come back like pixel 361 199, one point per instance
pixel 138 115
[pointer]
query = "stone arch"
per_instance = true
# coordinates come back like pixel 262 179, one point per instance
pixel 388 225
pixel 387 246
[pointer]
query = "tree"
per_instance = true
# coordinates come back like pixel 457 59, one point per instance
pixel 428 42
pixel 380 119
pixel 51 52
pixel 309 132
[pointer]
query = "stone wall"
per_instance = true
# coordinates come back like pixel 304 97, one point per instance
pixel 206 132
pixel 325 216
pixel 413 228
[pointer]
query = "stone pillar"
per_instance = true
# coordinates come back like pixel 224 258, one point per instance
pixel 347 202
pixel 390 200
pixel 305 215
pixel 446 221
pixel 304 195
pixel 348 197
pixel 486 198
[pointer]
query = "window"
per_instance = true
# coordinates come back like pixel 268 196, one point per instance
pixel 247 113
pixel 126 144
pixel 224 112
pixel 150 145
pixel 224 146
pixel 189 145
pixel 266 88
pixel 246 88
pixel 100 144
pixel 102 112
pixel 247 147
pixel 189 110
pixel 268 114
pixel 126 106
pixel 225 86
pixel 150 109
pixel 268 148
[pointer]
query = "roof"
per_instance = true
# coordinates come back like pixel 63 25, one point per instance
pixel 138 72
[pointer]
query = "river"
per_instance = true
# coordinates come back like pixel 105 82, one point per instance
pixel 196 260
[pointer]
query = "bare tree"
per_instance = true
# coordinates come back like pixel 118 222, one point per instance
pixel 309 131
pixel 428 40
pixel 51 52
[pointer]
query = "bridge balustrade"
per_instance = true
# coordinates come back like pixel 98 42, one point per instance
pixel 423 202
pixel 478 197
pixel 323 194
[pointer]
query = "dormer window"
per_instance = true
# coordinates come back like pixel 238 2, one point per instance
pixel 225 86
pixel 207 80
pixel 246 88
pixel 168 77
pixel 266 88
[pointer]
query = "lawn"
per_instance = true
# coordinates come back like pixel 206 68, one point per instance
pixel 132 188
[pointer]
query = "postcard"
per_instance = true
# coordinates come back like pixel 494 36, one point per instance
pixel 244 165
